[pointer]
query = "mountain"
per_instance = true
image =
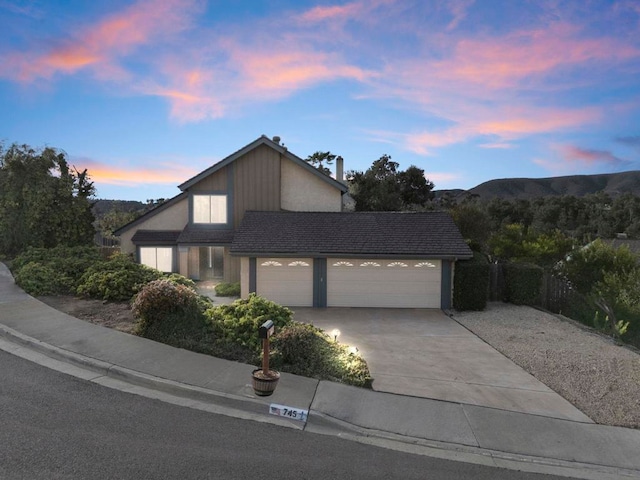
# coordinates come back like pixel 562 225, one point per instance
pixel 613 184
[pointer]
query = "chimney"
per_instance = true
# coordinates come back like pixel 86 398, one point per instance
pixel 340 169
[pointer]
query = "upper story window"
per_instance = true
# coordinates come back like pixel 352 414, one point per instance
pixel 210 209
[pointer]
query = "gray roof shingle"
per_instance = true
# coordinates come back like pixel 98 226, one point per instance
pixel 157 237
pixel 423 234
pixel 200 236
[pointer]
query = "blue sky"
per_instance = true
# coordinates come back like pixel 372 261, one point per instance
pixel 145 94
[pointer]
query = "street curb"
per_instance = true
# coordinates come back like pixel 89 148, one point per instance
pixel 324 424
pixel 321 423
pixel 133 377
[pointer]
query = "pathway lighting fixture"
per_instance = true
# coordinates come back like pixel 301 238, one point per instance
pixel 335 333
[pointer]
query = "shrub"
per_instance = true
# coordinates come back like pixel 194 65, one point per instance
pixel 523 282
pixel 471 283
pixel 118 278
pixel 63 266
pixel 306 350
pixel 38 279
pixel 178 279
pixel 239 322
pixel 168 312
pixel 226 289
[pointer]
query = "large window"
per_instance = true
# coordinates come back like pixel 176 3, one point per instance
pixel 210 209
pixel 160 258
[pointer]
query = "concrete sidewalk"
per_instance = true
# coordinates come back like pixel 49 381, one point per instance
pixel 445 429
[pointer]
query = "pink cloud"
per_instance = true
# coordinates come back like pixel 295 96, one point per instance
pixel 573 158
pixel 113 174
pixel 458 9
pixel 589 158
pixel 102 43
pixel 504 125
pixel 332 13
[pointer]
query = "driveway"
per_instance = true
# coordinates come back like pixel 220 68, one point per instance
pixel 424 353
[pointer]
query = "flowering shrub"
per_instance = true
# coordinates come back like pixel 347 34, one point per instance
pixel 166 310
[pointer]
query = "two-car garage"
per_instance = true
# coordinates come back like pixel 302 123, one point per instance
pixel 352 282
pixel 356 259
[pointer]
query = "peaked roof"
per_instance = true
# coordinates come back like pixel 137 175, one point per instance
pixel 263 140
pixel 389 234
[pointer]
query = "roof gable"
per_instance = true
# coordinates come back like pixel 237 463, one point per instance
pixel 150 213
pixel 263 140
pixel 421 234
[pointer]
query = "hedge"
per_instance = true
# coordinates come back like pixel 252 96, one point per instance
pixel 523 282
pixel 471 283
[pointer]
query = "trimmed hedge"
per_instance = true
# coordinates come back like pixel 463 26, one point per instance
pixel 523 282
pixel 226 289
pixel 471 283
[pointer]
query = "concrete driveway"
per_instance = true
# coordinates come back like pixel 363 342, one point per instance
pixel 424 353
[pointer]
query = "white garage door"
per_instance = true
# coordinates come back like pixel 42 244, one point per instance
pixel 287 281
pixel 383 283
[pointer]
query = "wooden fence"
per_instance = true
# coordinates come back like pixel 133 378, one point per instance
pixel 556 295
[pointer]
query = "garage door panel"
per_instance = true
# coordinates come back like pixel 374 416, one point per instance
pixel 287 281
pixel 383 283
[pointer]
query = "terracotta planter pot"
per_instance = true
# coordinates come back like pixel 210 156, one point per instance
pixel 264 385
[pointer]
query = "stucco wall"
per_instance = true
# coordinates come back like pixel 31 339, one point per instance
pixel 175 217
pixel 302 191
pixel 244 277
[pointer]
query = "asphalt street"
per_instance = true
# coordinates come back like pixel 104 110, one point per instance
pixel 55 426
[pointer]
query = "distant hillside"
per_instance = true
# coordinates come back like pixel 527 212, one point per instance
pixel 102 207
pixel 613 184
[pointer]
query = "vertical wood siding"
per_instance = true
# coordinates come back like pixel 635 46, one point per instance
pixel 256 182
pixel 216 182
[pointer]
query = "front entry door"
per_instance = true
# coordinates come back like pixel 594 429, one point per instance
pixel 211 263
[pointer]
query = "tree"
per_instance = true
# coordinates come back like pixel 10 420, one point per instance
pixel 318 159
pixel 385 188
pixel 586 267
pixel 43 202
pixel 472 221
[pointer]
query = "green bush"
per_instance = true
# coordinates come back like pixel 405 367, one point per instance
pixel 471 283
pixel 38 279
pixel 178 279
pixel 168 312
pixel 306 350
pixel 239 322
pixel 118 279
pixel 60 272
pixel 523 282
pixel 228 289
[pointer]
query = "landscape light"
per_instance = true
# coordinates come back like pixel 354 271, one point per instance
pixel 335 333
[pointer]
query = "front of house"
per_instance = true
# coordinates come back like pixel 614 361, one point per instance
pixel 266 218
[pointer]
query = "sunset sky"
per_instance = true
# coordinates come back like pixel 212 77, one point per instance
pixel 145 94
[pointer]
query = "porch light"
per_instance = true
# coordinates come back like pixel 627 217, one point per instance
pixel 335 333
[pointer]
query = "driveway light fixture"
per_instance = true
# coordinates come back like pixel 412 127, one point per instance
pixel 335 333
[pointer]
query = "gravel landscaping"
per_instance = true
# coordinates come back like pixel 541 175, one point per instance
pixel 590 370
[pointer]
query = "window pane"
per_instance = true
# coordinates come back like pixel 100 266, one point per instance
pixel 164 256
pixel 218 209
pixel 148 256
pixel 201 209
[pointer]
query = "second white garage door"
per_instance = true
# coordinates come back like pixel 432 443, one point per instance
pixel 287 281
pixel 383 283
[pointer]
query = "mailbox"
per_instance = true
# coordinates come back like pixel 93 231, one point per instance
pixel 266 329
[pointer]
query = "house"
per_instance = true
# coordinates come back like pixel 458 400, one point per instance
pixel 266 218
